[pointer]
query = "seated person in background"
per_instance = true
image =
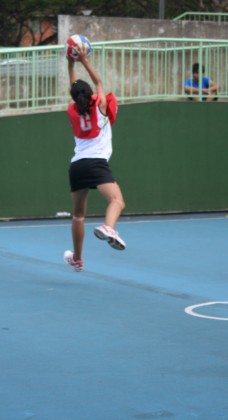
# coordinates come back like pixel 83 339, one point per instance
pixel 191 86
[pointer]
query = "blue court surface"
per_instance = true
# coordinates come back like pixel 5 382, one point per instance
pixel 140 334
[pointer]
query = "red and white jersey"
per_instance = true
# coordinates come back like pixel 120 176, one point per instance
pixel 92 132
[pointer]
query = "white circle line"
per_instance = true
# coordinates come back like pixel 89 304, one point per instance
pixel 190 310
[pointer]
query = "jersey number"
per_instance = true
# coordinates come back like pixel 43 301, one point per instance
pixel 85 122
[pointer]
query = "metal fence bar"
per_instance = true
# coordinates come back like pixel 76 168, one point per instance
pixel 201 16
pixel 139 72
pixel 122 73
pixel 144 69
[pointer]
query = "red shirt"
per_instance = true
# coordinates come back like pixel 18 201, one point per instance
pixel 85 126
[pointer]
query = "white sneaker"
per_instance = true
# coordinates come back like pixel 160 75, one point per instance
pixel 69 259
pixel 111 236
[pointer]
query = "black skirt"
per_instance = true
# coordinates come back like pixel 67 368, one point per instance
pixel 89 173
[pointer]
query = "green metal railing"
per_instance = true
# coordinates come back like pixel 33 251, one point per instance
pixel 135 70
pixel 200 16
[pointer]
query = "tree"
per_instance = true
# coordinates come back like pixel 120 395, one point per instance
pixel 20 16
pixel 174 8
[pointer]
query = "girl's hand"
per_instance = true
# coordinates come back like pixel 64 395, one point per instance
pixel 82 53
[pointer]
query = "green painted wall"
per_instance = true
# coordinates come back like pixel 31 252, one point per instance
pixel 168 156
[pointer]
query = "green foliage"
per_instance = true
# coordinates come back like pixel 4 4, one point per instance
pixel 16 15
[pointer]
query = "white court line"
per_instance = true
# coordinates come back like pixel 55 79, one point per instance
pixel 190 310
pixel 119 222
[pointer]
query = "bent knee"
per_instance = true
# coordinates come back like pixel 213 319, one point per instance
pixel 123 205
pixel 120 202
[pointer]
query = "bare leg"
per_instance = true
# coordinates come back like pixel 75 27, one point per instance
pixel 210 100
pixel 79 212
pixel 112 193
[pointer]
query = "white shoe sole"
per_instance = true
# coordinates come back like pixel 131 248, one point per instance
pixel 115 244
pixel 119 245
pixel 100 235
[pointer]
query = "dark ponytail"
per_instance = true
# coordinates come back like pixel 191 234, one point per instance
pixel 81 93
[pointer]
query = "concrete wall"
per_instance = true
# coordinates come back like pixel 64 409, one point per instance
pixel 111 28
pixel 163 81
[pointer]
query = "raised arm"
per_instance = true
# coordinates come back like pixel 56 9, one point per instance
pixel 71 72
pixel 83 58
